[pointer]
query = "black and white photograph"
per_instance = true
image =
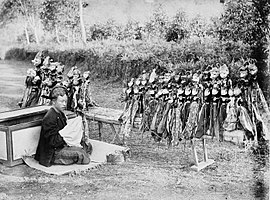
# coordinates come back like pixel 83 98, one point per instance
pixel 134 99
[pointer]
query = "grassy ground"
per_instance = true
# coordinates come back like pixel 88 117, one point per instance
pixel 153 170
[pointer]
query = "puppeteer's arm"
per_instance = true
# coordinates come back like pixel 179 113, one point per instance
pixel 51 132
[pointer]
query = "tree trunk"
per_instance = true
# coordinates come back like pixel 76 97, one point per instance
pixel 57 35
pixel 26 34
pixel 69 38
pixel 82 22
pixel 73 38
pixel 33 23
pixel 36 35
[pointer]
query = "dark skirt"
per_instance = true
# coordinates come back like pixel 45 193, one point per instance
pixel 71 155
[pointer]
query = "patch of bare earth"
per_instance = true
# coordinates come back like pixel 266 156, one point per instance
pixel 153 170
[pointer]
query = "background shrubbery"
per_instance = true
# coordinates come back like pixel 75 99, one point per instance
pixel 125 59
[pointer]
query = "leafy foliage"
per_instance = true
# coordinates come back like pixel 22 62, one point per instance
pixel 104 31
pixel 7 14
pixel 59 12
pixel 157 25
pixel 177 29
pixel 248 21
pixel 49 14
pixel 13 9
pixel 243 21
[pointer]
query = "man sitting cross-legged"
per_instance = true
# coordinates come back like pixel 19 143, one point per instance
pixel 55 145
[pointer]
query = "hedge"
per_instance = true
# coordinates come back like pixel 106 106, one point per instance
pixel 125 59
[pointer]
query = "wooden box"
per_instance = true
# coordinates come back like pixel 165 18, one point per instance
pixel 19 133
pixel 236 136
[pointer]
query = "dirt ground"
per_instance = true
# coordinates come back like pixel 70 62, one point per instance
pixel 152 172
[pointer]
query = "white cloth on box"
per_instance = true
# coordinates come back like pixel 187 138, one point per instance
pixel 72 133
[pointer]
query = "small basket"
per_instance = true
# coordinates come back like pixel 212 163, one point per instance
pixel 116 158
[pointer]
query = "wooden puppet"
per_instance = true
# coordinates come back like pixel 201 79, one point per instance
pixel 225 84
pixel 204 118
pixel 192 119
pixel 31 91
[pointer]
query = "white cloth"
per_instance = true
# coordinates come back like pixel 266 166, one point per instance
pixel 72 133
pixel 98 157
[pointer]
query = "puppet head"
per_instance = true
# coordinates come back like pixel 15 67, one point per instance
pixel 215 89
pixel 36 80
pixel 214 73
pixel 243 72
pixel 138 81
pixel 131 82
pixel 224 71
pixel 76 81
pixel 196 77
pixel 76 72
pixel 38 59
pixel 47 62
pixel 31 73
pixel 206 75
pixel 167 77
pixel 145 77
pixel 86 75
pixel 252 69
pixel 236 90
pixel 176 78
pixel 153 76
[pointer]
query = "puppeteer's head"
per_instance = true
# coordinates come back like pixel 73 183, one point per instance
pixel 58 97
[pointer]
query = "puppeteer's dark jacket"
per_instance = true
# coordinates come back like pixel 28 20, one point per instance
pixel 50 139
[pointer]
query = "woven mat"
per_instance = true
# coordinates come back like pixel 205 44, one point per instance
pixel 98 157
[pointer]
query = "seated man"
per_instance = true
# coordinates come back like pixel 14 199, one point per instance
pixel 52 147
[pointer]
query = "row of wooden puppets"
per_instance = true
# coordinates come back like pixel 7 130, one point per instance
pixel 172 105
pixel 46 74
pixel 184 105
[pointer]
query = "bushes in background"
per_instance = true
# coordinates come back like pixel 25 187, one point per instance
pixel 125 59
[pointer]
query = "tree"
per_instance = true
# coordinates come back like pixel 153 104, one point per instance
pixel 81 5
pixel 21 9
pixel 61 17
pixel 70 20
pixel 29 10
pixel 158 23
pixel 177 29
pixel 7 13
pixel 248 21
pixel 49 16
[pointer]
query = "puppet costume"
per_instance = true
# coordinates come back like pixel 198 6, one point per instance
pixel 35 93
pixel 204 115
pixel 52 149
pixel 87 99
pixel 32 90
